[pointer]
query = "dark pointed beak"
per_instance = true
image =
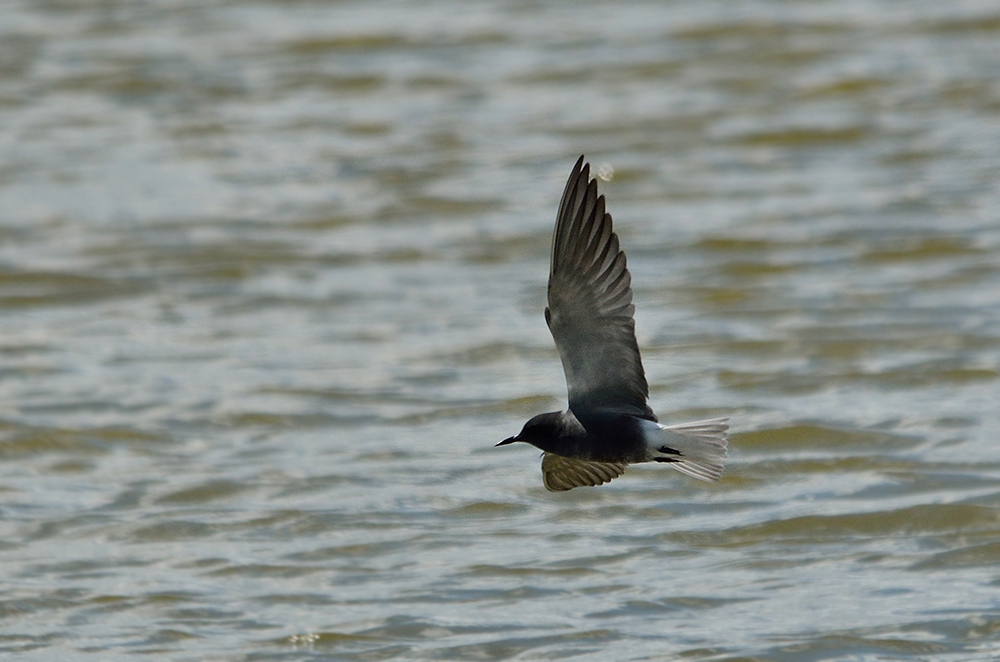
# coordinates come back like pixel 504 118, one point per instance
pixel 508 440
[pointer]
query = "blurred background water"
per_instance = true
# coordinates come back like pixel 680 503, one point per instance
pixel 271 287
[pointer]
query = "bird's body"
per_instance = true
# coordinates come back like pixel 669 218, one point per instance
pixel 609 424
pixel 600 437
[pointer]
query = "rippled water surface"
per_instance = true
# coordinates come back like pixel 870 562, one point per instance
pixel 271 287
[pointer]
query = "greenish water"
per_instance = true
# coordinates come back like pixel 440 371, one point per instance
pixel 271 287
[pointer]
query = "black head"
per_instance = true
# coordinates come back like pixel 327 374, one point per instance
pixel 540 431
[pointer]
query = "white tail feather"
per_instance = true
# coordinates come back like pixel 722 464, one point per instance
pixel 697 449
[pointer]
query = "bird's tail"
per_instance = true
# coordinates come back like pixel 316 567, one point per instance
pixel 697 449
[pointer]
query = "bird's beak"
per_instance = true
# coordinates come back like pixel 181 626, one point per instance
pixel 508 440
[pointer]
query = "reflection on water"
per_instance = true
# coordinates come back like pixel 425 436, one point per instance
pixel 271 280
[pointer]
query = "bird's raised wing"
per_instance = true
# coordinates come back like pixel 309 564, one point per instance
pixel 590 306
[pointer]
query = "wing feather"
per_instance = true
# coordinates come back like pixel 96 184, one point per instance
pixel 563 473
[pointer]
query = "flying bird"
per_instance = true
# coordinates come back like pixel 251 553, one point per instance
pixel 609 424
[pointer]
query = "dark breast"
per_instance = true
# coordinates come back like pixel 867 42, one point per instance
pixel 611 438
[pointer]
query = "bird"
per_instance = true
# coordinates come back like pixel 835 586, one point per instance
pixel 609 423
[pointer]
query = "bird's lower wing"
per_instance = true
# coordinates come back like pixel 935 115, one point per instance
pixel 562 473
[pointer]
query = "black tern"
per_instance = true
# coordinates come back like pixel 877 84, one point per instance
pixel 609 424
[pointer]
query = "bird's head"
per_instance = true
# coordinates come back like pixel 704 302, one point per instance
pixel 540 431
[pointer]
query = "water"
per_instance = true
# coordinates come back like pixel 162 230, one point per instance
pixel 271 287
